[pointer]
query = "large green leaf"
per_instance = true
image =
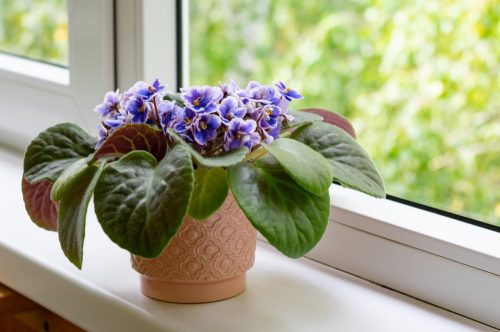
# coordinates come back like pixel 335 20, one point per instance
pixel 290 218
pixel 75 188
pixel 306 166
pixel 55 149
pixel 140 203
pixel 63 184
pixel 301 118
pixel 41 209
pixel 210 191
pixel 350 163
pixel 333 118
pixel 133 137
pixel 227 159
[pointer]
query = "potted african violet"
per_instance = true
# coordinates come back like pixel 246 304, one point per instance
pixel 183 181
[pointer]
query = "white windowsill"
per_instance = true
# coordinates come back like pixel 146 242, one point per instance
pixel 10 64
pixel 465 243
pixel 282 294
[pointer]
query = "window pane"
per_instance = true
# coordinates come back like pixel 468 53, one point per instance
pixel 419 79
pixel 37 29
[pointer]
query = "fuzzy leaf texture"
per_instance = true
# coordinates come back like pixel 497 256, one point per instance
pixel 301 118
pixel 291 218
pixel 74 189
pixel 41 209
pixel 133 137
pixel 209 193
pixel 307 167
pixel 350 163
pixel 334 119
pixel 141 203
pixel 54 149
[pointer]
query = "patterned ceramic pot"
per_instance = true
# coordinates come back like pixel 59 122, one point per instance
pixel 205 261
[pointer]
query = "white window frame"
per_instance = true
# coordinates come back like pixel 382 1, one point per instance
pixel 449 263
pixel 29 88
pixel 146 42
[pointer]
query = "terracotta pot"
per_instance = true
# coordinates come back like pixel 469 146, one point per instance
pixel 205 261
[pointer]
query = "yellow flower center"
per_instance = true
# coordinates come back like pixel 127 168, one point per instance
pixel 196 102
pixel 203 125
pixel 187 120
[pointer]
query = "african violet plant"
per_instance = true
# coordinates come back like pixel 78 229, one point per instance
pixel 161 156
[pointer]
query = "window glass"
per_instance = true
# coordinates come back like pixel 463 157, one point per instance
pixel 36 29
pixel 419 80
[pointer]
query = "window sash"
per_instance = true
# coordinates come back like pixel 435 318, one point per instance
pixel 34 99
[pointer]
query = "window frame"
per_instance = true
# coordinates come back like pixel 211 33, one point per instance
pixel 146 42
pixel 72 94
pixel 440 260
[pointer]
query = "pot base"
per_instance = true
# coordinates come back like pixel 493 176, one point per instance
pixel 178 292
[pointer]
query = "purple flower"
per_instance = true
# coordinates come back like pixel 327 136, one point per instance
pixel 286 92
pixel 229 108
pixel 170 114
pixel 270 134
pixel 241 133
pixel 138 108
pixel 269 116
pixel 205 128
pixel 148 91
pixel 102 134
pixel 202 99
pixel 231 89
pixel 110 104
pixel 187 118
pixel 262 95
pixel 118 121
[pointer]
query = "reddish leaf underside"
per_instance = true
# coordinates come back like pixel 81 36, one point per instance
pixel 41 209
pixel 133 137
pixel 333 119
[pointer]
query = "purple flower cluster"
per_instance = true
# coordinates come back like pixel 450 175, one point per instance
pixel 139 104
pixel 211 118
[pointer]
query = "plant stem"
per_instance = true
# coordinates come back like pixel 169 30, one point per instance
pixel 157 114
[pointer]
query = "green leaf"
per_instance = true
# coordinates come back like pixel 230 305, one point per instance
pixel 350 163
pixel 306 166
pixel 210 191
pixel 132 137
pixel 75 191
pixel 333 118
pixel 140 203
pixel 290 218
pixel 227 159
pixel 55 149
pixel 41 209
pixel 63 184
pixel 301 118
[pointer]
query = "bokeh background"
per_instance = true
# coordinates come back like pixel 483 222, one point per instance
pixel 420 80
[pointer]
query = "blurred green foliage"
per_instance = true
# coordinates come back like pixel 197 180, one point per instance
pixel 419 79
pixel 37 29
